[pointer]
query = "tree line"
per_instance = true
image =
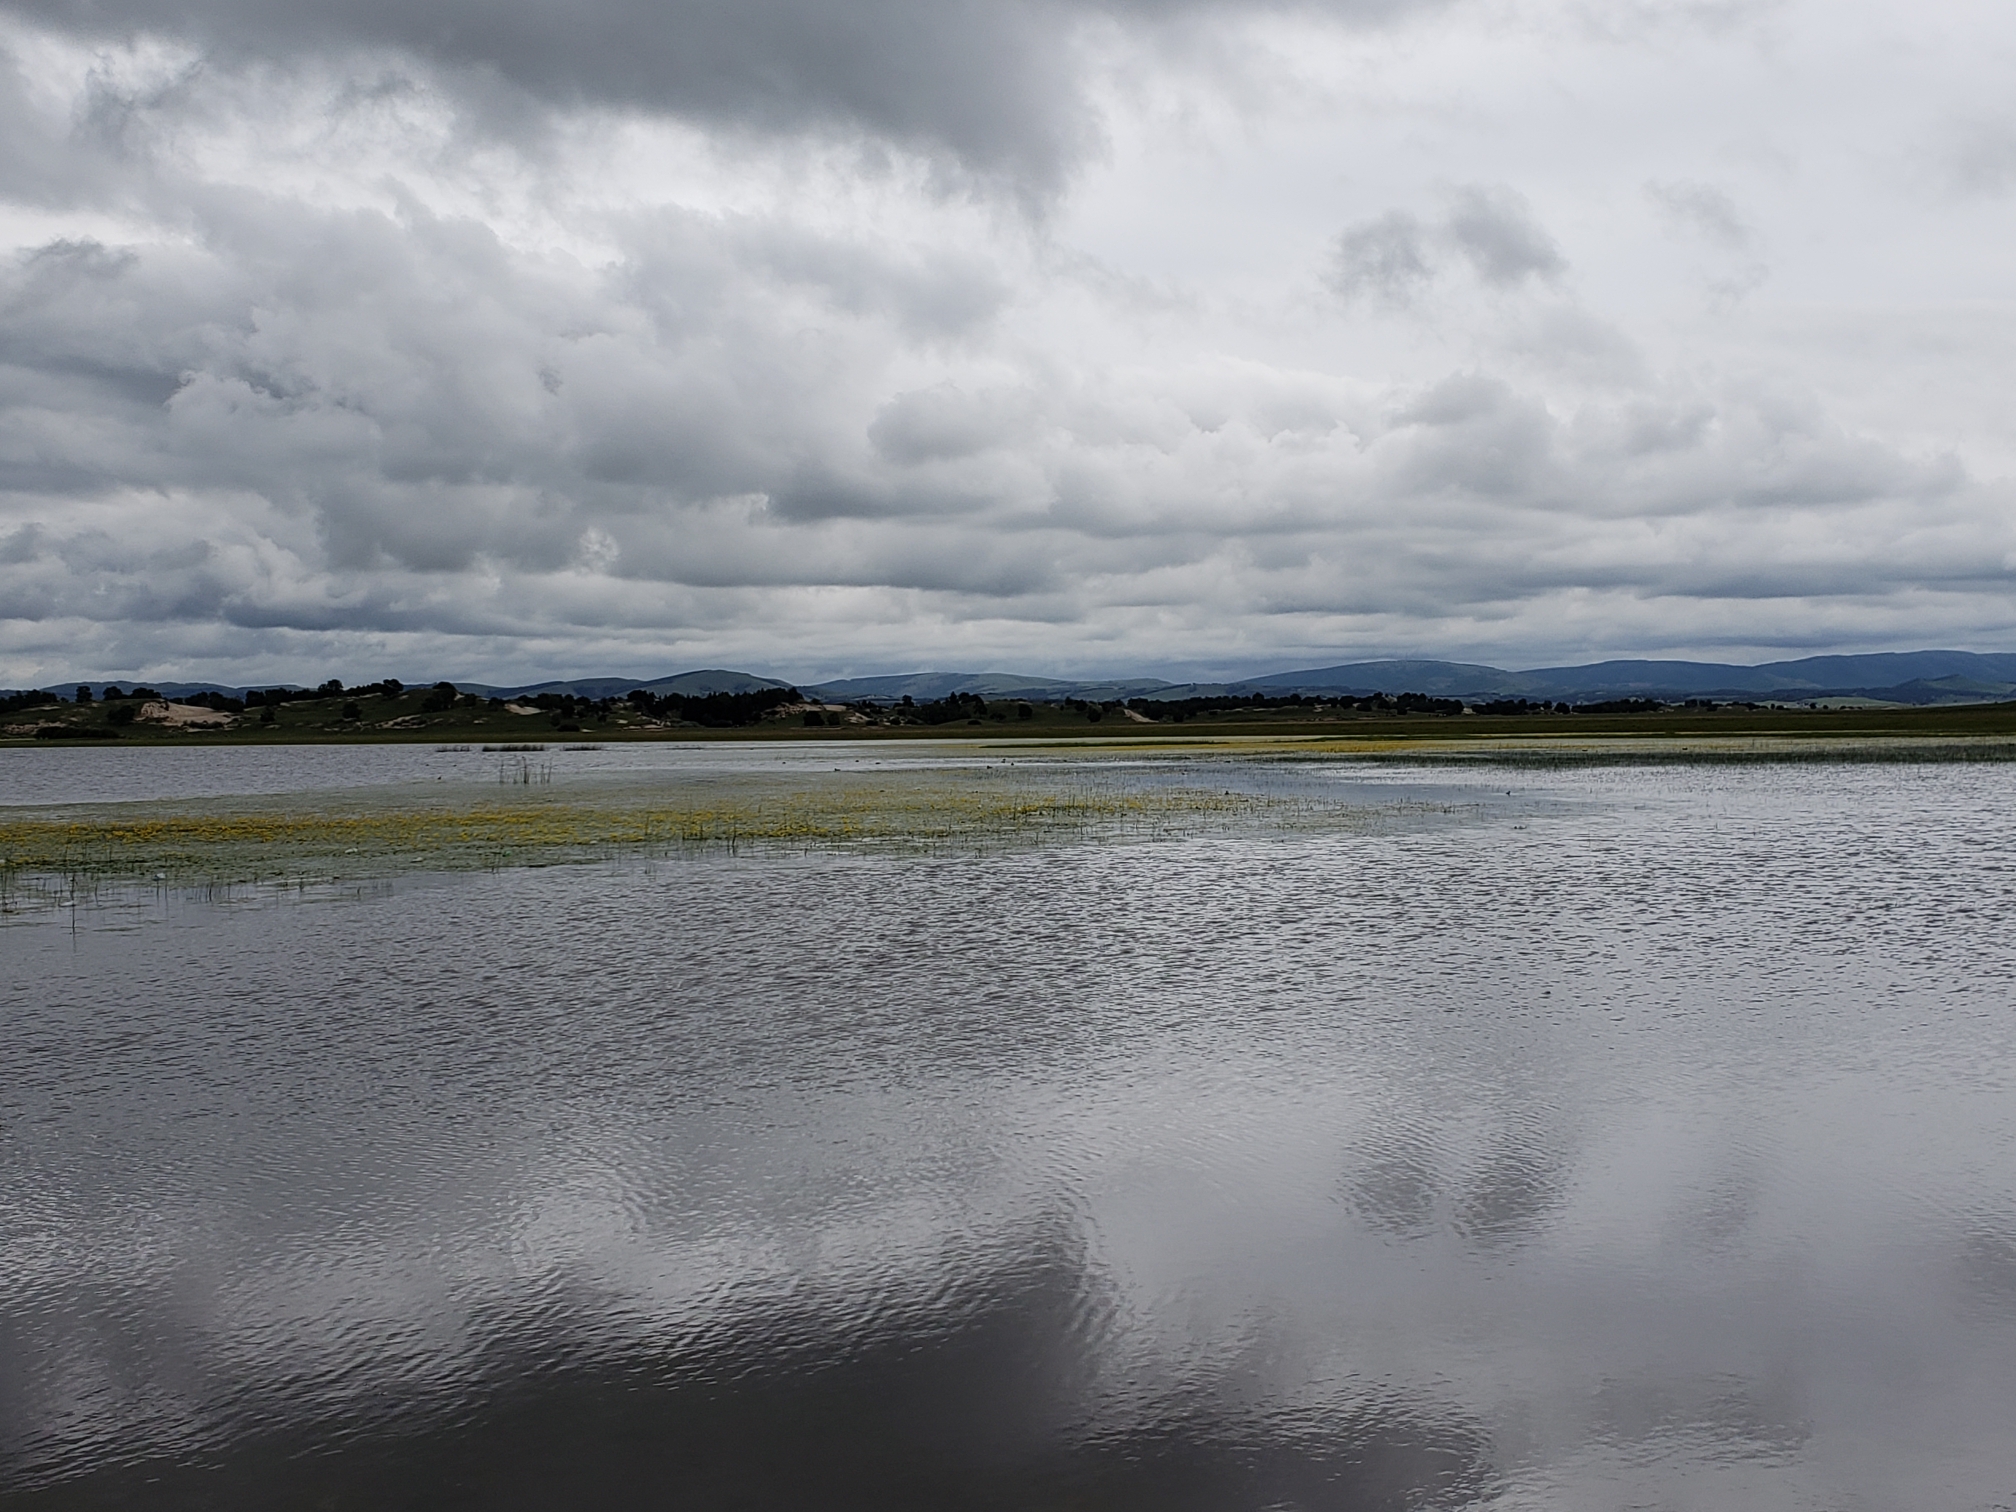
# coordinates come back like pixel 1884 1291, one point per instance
pixel 734 710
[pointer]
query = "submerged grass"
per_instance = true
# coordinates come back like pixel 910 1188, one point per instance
pixel 52 855
pixel 1076 790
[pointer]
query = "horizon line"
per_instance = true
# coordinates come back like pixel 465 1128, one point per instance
pixel 943 671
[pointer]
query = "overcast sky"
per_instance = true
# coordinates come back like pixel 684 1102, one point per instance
pixel 506 338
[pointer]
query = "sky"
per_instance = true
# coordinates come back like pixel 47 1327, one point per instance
pixel 515 339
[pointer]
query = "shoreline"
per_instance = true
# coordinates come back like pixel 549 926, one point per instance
pixel 1981 722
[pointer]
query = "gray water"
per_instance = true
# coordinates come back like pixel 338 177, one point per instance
pixel 41 776
pixel 1647 1143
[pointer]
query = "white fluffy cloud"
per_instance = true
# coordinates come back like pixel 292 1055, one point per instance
pixel 1072 338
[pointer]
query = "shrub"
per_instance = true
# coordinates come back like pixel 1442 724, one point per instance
pixel 714 710
pixel 1622 706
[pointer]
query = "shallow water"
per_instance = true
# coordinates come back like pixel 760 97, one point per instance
pixel 33 776
pixel 1645 1140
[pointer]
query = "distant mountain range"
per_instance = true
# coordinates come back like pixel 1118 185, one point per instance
pixel 1909 677
pixel 1898 677
pixel 690 684
pixel 1905 677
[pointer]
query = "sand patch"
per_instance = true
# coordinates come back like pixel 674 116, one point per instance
pixel 184 716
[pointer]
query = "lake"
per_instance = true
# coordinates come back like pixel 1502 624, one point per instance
pixel 1556 1137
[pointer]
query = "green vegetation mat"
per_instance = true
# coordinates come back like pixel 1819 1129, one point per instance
pixel 298 839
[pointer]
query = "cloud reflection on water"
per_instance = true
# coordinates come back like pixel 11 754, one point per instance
pixel 1214 1173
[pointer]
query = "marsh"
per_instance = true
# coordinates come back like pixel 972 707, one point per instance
pixel 1381 1136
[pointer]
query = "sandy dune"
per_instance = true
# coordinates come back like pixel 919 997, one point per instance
pixel 180 715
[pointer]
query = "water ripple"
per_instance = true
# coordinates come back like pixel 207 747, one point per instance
pixel 1643 1137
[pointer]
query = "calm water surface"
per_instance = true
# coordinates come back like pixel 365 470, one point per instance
pixel 31 776
pixel 1645 1141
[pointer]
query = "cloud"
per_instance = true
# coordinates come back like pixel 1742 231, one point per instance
pixel 1708 216
pixel 311 362
pixel 997 87
pixel 1395 257
pixel 409 432
pixel 943 423
pixel 1387 258
pixel 1702 210
pixel 1494 230
pixel 1983 156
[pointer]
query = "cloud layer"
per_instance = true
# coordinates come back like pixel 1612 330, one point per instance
pixel 1068 337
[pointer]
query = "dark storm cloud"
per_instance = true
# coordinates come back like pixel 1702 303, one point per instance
pixel 993 83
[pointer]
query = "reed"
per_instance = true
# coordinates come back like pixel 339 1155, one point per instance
pixel 523 773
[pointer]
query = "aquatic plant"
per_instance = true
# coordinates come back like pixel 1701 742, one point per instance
pixel 279 841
